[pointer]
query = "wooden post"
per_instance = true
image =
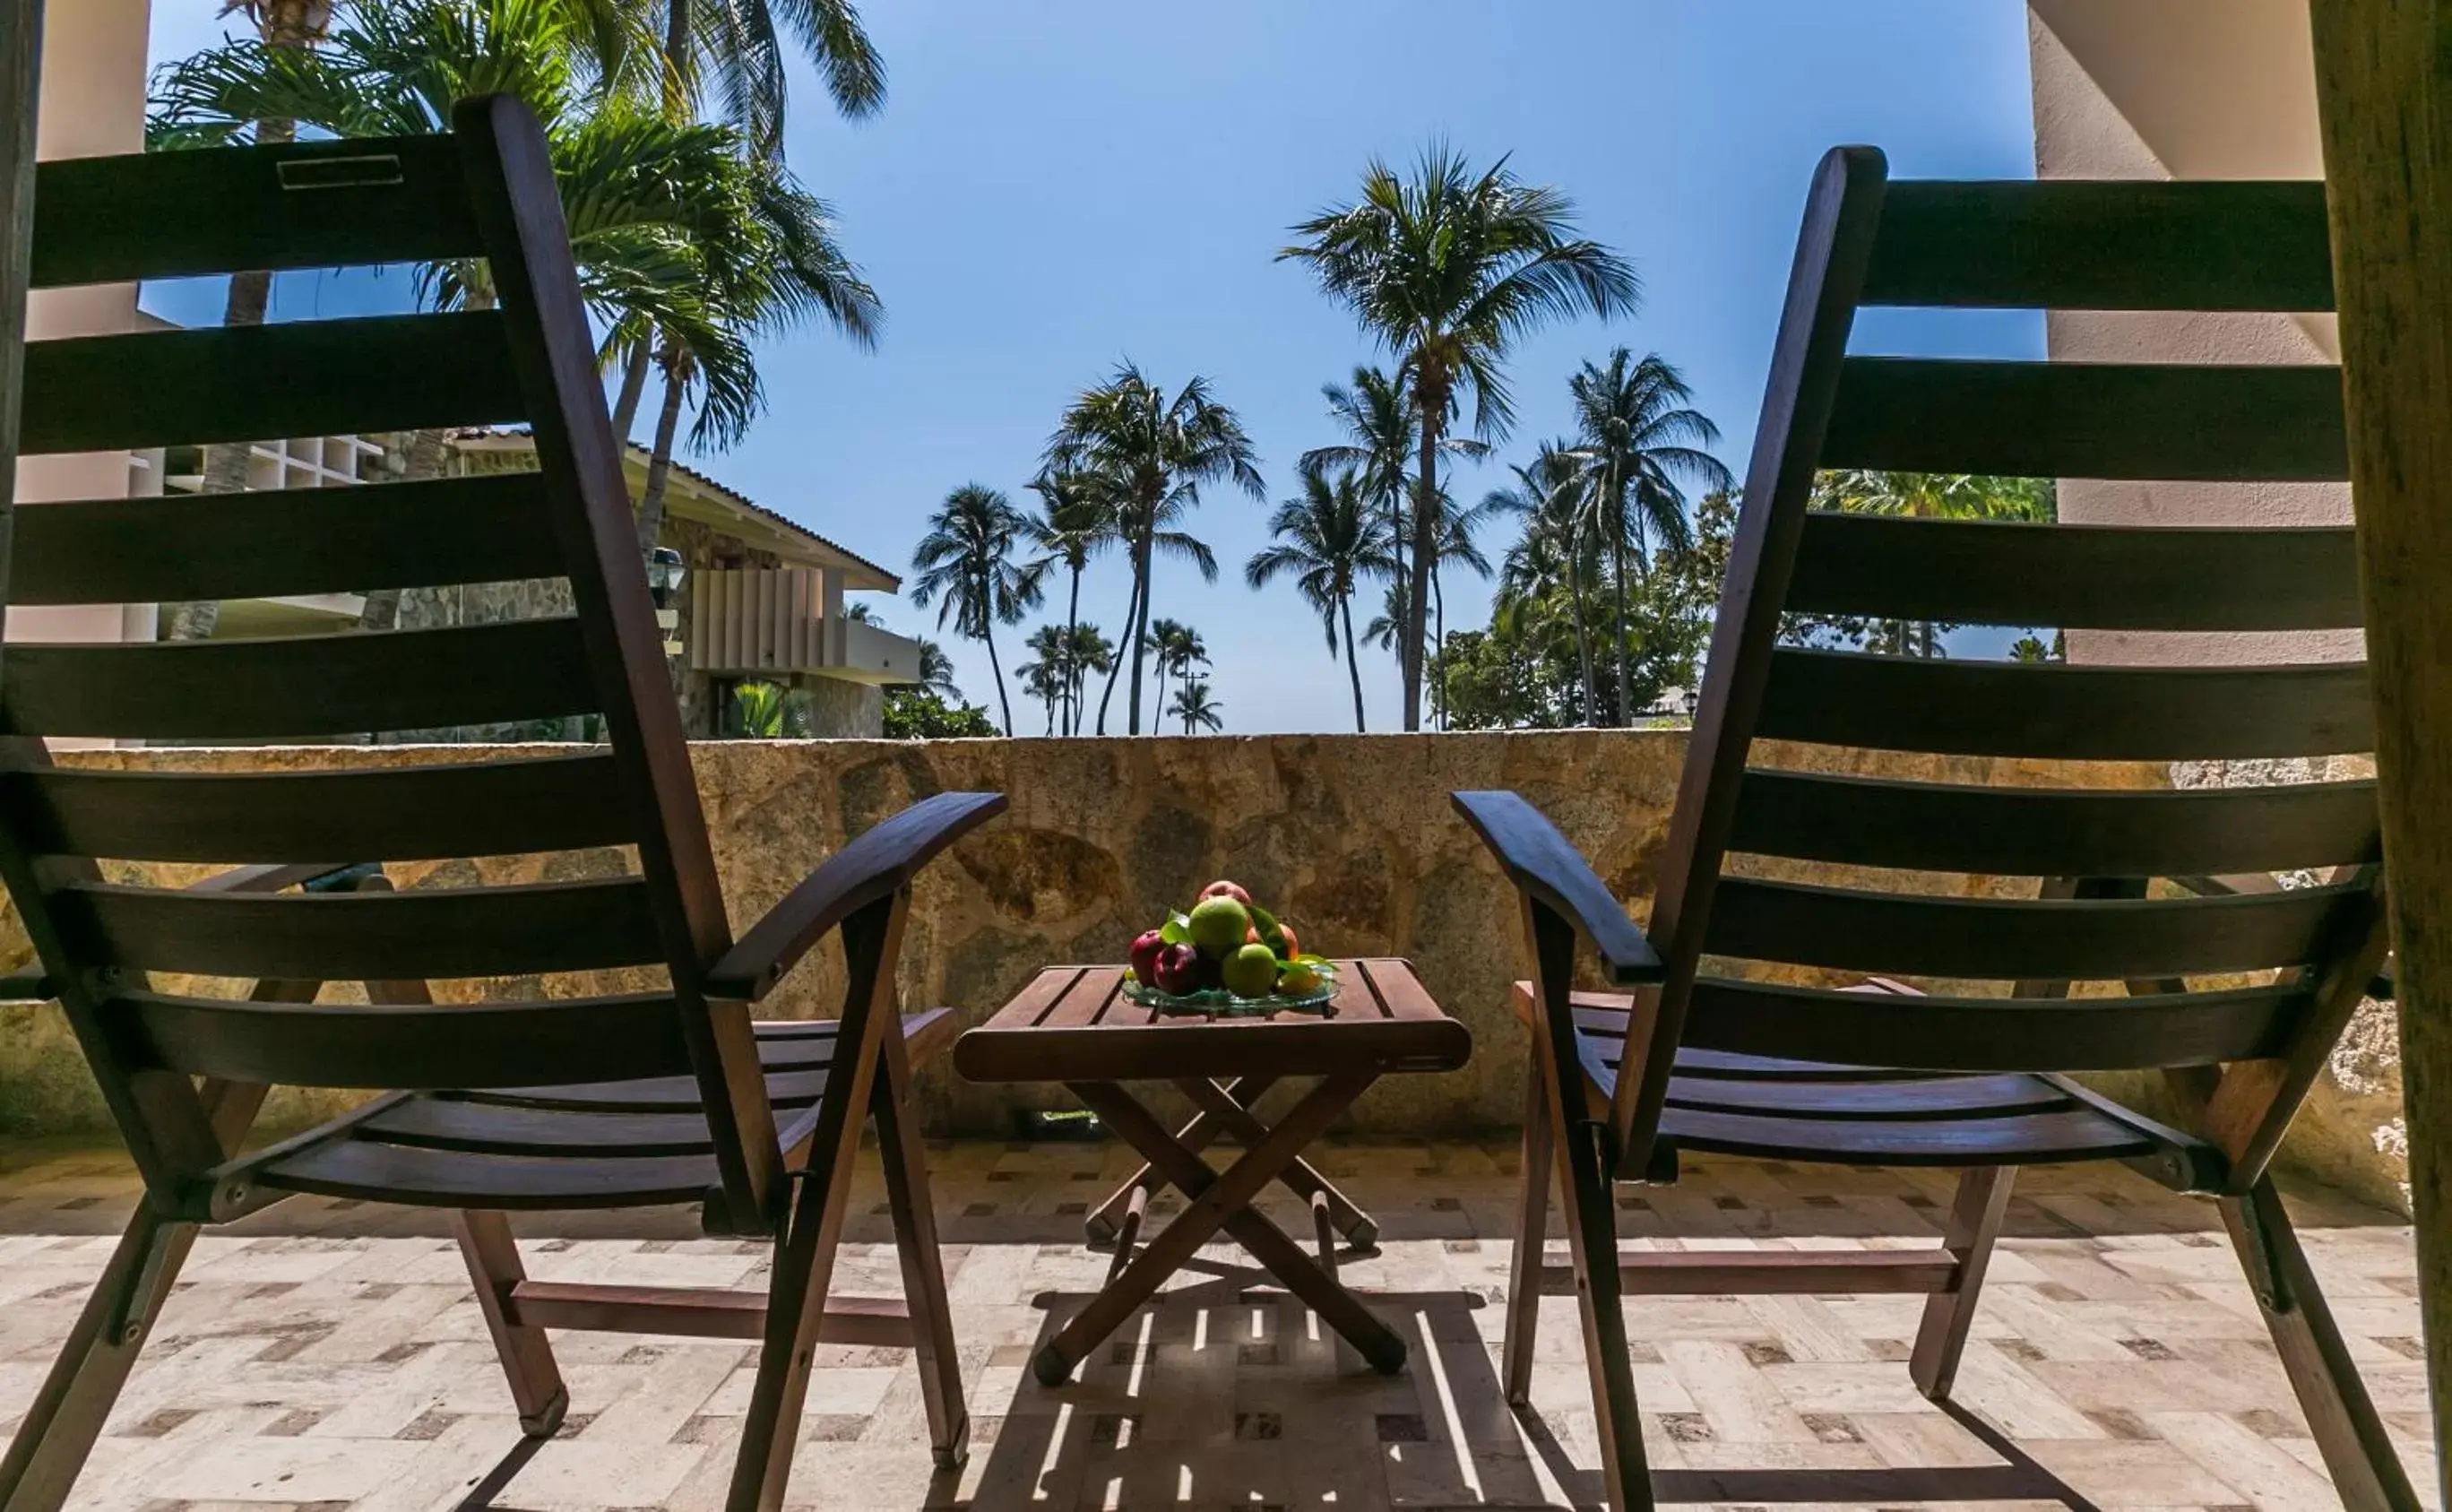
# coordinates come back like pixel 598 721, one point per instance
pixel 2384 72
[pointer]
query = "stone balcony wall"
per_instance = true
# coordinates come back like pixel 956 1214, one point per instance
pixel 1349 837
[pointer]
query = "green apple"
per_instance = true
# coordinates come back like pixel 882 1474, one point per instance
pixel 1252 971
pixel 1217 925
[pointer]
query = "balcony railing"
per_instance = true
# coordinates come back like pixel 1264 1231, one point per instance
pixel 748 620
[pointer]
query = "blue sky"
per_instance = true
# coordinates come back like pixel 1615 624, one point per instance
pixel 1055 187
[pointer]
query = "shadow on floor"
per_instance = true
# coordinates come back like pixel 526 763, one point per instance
pixel 1224 1394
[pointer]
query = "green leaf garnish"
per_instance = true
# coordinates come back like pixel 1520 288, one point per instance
pixel 1177 930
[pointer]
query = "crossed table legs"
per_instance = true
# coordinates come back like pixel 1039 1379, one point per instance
pixel 1223 1201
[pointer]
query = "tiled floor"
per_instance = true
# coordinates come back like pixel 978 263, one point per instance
pixel 329 1356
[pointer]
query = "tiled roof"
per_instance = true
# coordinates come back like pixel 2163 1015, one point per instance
pixel 891 582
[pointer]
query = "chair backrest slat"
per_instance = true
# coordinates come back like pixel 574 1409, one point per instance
pixel 301 685
pixel 351 1046
pixel 318 378
pixel 1856 929
pixel 2049 907
pixel 1990 831
pixel 566 533
pixel 2067 713
pixel 2162 422
pixel 419 935
pixel 1954 1033
pixel 409 813
pixel 430 533
pixel 109 220
pixel 2078 576
pixel 2253 246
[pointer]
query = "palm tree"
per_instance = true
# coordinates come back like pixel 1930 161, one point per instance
pixel 1640 437
pixel 1447 270
pixel 1046 679
pixel 1198 710
pixel 1076 521
pixel 937 672
pixel 1330 539
pixel 1377 412
pixel 1556 551
pixel 1386 630
pixel 673 226
pixel 805 272
pixel 785 268
pixel 1177 649
pixel 737 48
pixel 1086 652
pixel 1155 642
pixel 1154 453
pixel 966 557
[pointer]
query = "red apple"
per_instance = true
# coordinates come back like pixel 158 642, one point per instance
pixel 1145 953
pixel 1222 888
pixel 1178 969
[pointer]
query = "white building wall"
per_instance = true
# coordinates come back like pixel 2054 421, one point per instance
pixel 2179 90
pixel 92 104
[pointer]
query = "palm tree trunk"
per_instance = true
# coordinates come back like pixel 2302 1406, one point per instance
pixel 987 633
pixel 1353 665
pixel 1583 634
pixel 1072 659
pixel 1440 644
pixel 634 385
pixel 1132 608
pixel 660 463
pixel 1433 399
pixel 678 41
pixel 1141 549
pixel 1617 563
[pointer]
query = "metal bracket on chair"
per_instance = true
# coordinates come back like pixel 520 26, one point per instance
pixel 1604 1144
pixel 2267 1272
pixel 129 1316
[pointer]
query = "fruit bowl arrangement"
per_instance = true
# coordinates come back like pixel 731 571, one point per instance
pixel 1227 955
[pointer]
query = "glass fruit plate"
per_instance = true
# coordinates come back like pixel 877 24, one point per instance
pixel 1217 1003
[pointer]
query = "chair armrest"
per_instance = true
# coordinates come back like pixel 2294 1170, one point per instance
pixel 1538 859
pixel 876 866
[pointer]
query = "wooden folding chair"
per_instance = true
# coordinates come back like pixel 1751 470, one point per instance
pixel 2238 997
pixel 671 1095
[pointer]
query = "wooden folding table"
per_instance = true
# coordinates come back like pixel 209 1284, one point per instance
pixel 1074 1025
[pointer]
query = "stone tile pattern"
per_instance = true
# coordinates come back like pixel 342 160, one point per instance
pixel 329 1356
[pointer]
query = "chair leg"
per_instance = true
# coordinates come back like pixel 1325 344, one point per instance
pixel 805 1257
pixel 2368 1473
pixel 923 1271
pixel 67 1415
pixel 493 1257
pixel 1592 1231
pixel 1531 1224
pixel 1974 1225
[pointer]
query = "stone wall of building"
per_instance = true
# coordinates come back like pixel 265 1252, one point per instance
pixel 1351 837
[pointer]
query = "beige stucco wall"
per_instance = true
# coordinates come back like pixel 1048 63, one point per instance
pixel 1352 837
